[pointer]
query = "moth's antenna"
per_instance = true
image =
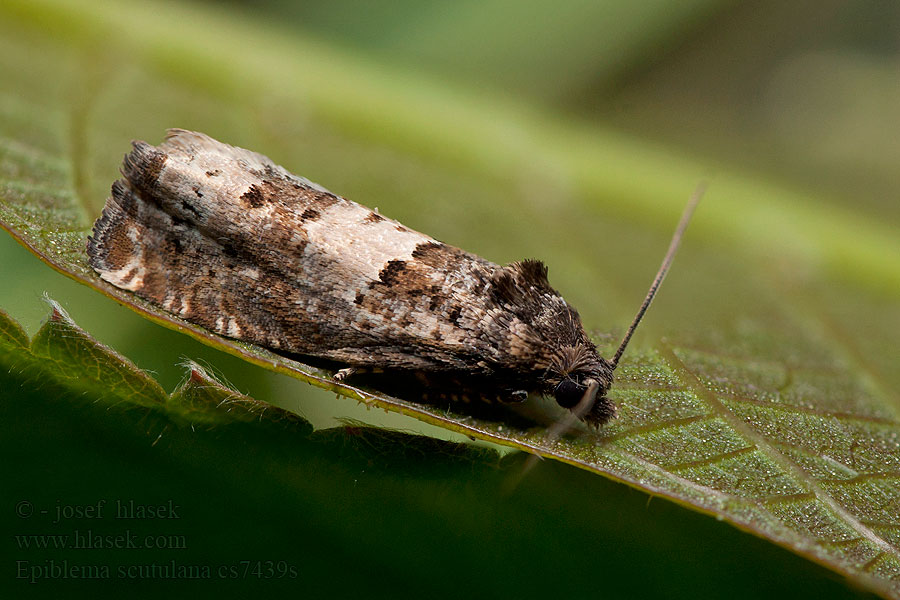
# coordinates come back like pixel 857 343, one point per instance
pixel 663 269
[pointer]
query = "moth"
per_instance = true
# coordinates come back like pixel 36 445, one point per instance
pixel 226 239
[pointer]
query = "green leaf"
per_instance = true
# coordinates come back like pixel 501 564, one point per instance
pixel 352 509
pixel 71 356
pixel 63 355
pixel 762 388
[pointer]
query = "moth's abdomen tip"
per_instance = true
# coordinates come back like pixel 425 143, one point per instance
pixel 143 165
pixel 98 241
pixel 113 248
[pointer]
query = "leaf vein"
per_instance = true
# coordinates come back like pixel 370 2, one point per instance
pixel 790 467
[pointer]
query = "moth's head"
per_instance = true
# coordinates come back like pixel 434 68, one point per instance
pixel 578 379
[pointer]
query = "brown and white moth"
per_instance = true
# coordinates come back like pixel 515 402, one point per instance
pixel 230 241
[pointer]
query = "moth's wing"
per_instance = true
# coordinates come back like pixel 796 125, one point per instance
pixel 228 240
pixel 461 312
pixel 139 247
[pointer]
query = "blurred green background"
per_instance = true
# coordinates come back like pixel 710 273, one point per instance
pixel 796 101
pixel 803 91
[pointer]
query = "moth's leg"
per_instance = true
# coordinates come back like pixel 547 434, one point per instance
pixel 512 396
pixel 345 373
pixel 350 371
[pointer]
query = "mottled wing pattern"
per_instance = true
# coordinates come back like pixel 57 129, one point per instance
pixel 225 238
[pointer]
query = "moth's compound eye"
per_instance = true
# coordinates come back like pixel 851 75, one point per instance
pixel 569 393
